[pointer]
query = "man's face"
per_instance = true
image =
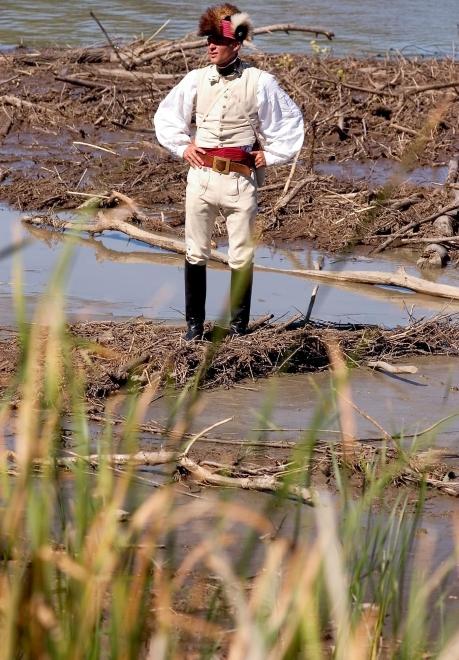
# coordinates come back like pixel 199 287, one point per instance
pixel 221 51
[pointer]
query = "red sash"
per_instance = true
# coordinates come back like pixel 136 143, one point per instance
pixel 235 154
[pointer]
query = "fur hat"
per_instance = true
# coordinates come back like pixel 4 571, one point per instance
pixel 225 21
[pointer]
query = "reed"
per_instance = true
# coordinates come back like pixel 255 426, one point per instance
pixel 114 562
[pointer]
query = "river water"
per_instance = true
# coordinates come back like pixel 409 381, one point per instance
pixel 374 26
pixel 149 282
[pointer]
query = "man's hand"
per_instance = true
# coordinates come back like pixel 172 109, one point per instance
pixel 191 155
pixel 258 158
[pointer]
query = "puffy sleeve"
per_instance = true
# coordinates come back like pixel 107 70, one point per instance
pixel 281 121
pixel 172 120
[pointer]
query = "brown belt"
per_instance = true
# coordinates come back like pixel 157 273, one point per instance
pixel 225 165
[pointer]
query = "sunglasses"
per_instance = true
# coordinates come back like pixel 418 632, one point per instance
pixel 219 41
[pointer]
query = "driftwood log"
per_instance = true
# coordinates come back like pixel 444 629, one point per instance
pixel 264 482
pixel 115 219
pixel 105 221
pixel 424 467
pixel 381 365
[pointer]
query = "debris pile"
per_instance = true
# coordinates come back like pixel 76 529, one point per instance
pixel 77 122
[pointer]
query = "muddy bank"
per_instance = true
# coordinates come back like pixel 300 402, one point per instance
pixel 75 122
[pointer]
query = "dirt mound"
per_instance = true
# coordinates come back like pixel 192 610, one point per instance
pixel 137 352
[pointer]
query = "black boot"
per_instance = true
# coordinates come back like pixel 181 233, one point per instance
pixel 241 295
pixel 195 300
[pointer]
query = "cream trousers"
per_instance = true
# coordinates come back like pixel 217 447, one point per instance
pixel 233 194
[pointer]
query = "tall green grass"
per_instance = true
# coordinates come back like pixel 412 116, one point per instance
pixel 209 574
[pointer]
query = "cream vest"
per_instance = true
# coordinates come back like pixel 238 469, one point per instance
pixel 226 110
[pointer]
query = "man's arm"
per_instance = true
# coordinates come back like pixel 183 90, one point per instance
pixel 281 121
pixel 172 119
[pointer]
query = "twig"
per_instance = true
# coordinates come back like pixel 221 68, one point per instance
pixel 410 91
pixel 292 172
pixel 81 83
pixel 404 129
pixel 94 146
pixel 89 195
pixel 196 437
pixel 357 88
pixel 283 201
pixel 312 300
pixel 259 323
pixel 113 46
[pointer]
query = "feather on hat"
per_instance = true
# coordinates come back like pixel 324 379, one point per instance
pixel 225 21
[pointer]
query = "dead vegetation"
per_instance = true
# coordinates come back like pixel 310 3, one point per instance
pixel 135 353
pixel 144 350
pixel 77 122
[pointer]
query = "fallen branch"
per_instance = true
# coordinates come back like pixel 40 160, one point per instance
pixel 429 239
pixel 453 169
pixel 407 91
pixel 400 278
pixel 410 91
pixel 317 266
pixel 259 323
pixel 292 172
pixel 404 129
pixel 286 199
pixel 4 130
pixel 17 103
pixel 292 27
pixel 403 203
pixel 435 254
pixel 112 45
pixel 147 458
pixel 178 46
pixel 79 82
pixel 357 88
pixel 443 486
pixel 264 483
pixel 138 75
pixel 106 222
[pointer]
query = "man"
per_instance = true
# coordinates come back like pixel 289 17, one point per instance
pixel 244 121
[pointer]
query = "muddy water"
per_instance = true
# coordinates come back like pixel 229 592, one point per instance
pixel 418 26
pixel 114 277
pixel 407 404
pixel 379 172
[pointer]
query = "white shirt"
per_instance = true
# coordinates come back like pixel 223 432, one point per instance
pixel 281 121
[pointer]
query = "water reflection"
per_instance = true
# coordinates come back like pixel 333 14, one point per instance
pixel 115 277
